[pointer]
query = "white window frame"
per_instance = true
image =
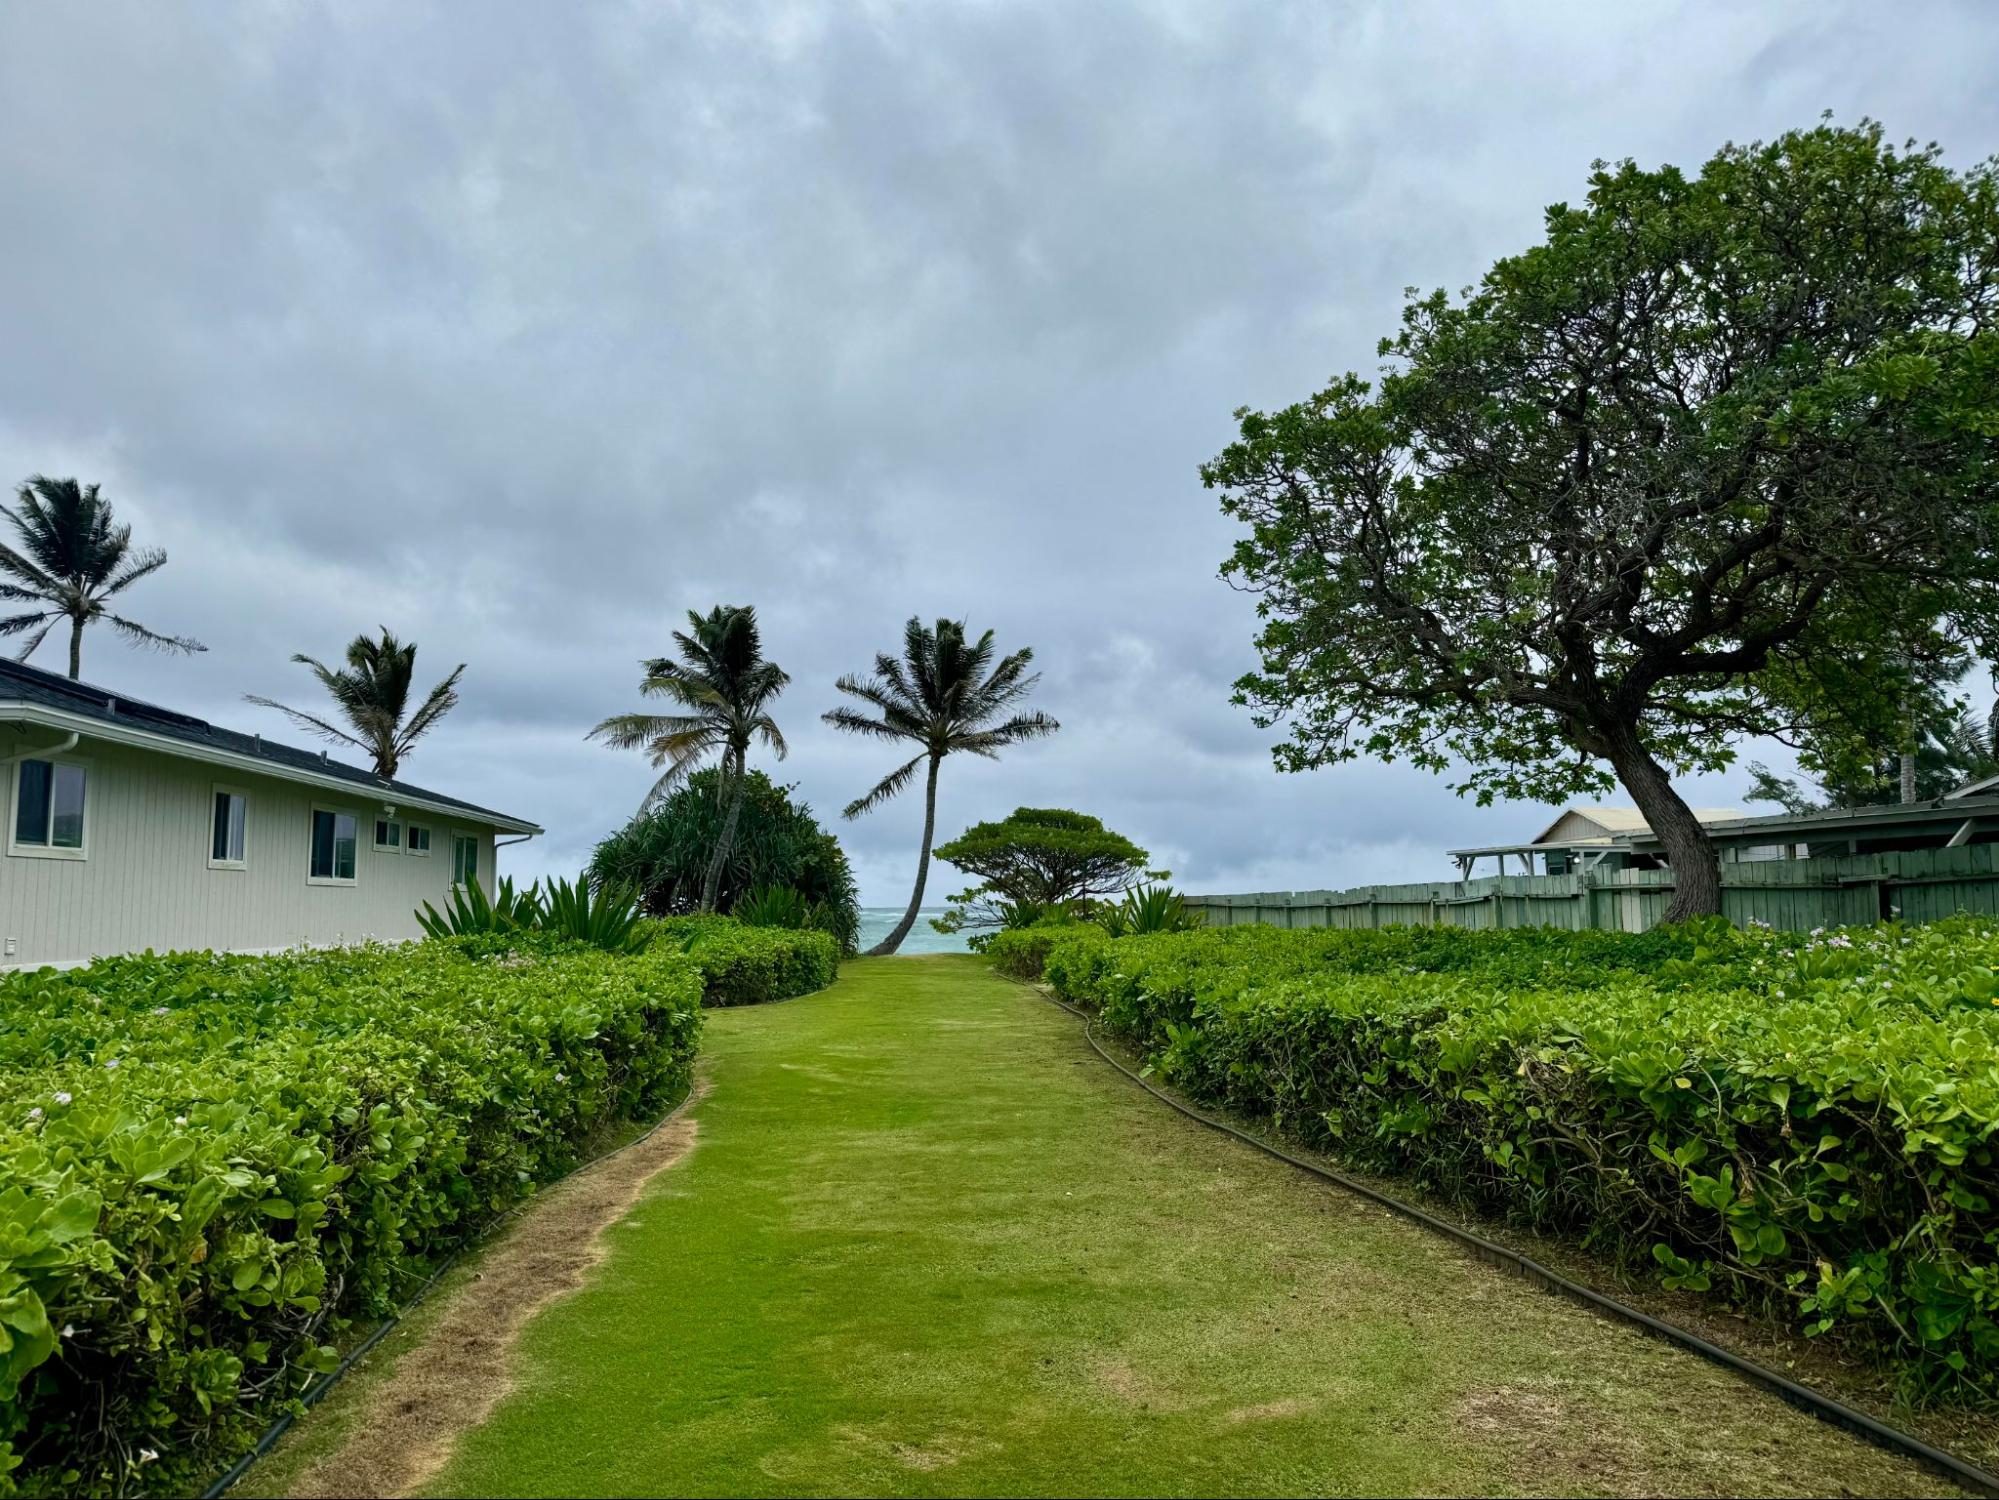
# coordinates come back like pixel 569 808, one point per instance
pixel 47 851
pixel 402 833
pixel 473 840
pixel 217 789
pixel 337 811
pixel 409 848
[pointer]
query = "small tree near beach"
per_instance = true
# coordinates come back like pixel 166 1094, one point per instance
pixel 1710 461
pixel 1037 860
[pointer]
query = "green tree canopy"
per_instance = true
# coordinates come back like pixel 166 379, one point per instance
pixel 1627 499
pixel 664 852
pixel 1035 859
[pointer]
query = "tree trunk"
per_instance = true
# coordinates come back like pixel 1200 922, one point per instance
pixel 1908 776
pixel 75 650
pixel 738 784
pixel 900 931
pixel 1689 850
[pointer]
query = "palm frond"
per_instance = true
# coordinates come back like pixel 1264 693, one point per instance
pixel 28 647
pixel 135 566
pixel 1021 727
pixel 859 723
pixel 886 788
pixel 443 698
pixel 15 624
pixel 139 635
pixel 311 722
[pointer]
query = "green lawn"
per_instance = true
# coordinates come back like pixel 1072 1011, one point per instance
pixel 929 1244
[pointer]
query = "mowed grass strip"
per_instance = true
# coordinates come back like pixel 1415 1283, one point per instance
pixel 930 1244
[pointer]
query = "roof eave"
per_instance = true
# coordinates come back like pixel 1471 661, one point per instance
pixel 89 727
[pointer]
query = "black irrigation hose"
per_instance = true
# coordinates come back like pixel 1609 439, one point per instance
pixel 1816 1403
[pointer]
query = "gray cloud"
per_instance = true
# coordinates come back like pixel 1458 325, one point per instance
pixel 525 330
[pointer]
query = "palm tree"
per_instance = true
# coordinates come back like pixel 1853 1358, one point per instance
pixel 939 696
pixel 73 556
pixel 725 688
pixel 372 693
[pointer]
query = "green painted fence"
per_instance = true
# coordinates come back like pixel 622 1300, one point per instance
pixel 1921 885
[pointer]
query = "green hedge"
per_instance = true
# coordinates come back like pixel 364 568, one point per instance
pixel 210 1163
pixel 1022 952
pixel 1802 1125
pixel 751 965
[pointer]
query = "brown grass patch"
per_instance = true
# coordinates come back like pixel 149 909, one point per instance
pixel 1267 1411
pixel 1120 1379
pixel 462 1370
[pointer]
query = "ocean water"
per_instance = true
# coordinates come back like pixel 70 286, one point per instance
pixel 923 938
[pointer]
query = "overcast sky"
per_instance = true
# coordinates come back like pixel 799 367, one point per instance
pixel 522 329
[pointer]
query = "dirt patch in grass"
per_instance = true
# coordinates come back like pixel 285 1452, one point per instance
pixel 462 1369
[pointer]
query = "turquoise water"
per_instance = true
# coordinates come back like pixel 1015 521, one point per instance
pixel 876 921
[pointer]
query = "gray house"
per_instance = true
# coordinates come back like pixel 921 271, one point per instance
pixel 131 826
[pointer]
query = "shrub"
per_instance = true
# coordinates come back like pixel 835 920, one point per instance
pixel 606 918
pixel 212 1163
pixel 1801 1125
pixel 663 854
pixel 469 910
pixel 1146 910
pixel 751 965
pixel 1022 952
pixel 772 906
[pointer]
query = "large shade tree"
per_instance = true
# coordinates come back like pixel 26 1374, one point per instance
pixel 722 688
pixel 372 697
pixel 1710 461
pixel 945 696
pixel 70 556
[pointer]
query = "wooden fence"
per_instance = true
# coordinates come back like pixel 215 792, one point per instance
pixel 1921 885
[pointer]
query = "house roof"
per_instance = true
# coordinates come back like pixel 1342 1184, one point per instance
pixel 1885 819
pixel 29 694
pixel 1615 820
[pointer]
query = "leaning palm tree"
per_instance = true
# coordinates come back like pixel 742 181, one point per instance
pixel 73 555
pixel 941 697
pixel 372 693
pixel 725 689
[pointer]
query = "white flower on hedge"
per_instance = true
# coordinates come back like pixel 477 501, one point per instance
pixel 180 1119
pixel 69 1330
pixel 562 1078
pixel 111 1065
pixel 34 1114
pixel 62 1096
pixel 159 1010
pixel 148 1455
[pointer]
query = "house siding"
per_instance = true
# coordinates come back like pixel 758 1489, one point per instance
pixel 1573 825
pixel 146 880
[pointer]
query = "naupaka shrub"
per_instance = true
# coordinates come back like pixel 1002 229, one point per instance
pixel 1800 1124
pixel 742 965
pixel 208 1164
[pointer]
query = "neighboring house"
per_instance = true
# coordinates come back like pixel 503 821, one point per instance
pixel 1586 837
pixel 1617 838
pixel 131 826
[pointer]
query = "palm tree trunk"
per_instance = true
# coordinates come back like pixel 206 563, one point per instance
pixel 75 649
pixel 900 931
pixel 738 785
